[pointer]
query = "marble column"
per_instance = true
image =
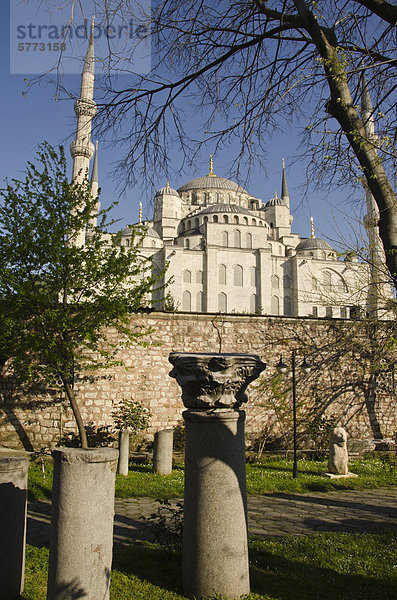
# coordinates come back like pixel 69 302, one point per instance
pixel 13 493
pixel 81 538
pixel 215 547
pixel 162 451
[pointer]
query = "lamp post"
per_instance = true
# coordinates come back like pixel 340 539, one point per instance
pixel 282 369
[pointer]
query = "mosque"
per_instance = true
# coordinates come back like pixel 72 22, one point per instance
pixel 227 251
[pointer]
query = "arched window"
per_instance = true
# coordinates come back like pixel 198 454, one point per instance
pixel 249 240
pixel 225 219
pixel 245 220
pixel 238 275
pixel 199 277
pixel 182 226
pixel 253 276
pixel 275 305
pixel 253 221
pixel 275 282
pixel 186 301
pixel 189 224
pixel 222 274
pixel 196 222
pixel 187 244
pixel 314 283
pixel 205 219
pixel 225 239
pixel 236 219
pixel 287 281
pixel 253 303
pixel 194 198
pixel 222 302
pixel 237 238
pixel 218 197
pixel 187 277
pixel 327 280
pixel 153 243
pixel 199 301
pixel 215 218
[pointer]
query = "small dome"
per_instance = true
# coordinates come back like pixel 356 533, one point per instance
pixel 313 244
pixel 276 201
pixel 223 208
pixel 152 233
pixel 167 191
pixel 212 182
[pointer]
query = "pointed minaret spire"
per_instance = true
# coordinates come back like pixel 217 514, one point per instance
pixel 284 188
pixel 312 236
pixel 82 149
pixel 140 213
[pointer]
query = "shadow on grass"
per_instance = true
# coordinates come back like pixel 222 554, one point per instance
pixel 151 563
pixel 136 468
pixel 287 469
pixel 287 579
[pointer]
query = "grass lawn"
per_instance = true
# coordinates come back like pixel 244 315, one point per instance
pixel 323 566
pixel 272 475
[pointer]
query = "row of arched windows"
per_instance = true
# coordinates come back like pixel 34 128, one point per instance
pixel 234 239
pixel 195 223
pixel 187 277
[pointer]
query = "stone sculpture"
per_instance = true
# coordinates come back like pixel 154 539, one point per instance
pixel 338 457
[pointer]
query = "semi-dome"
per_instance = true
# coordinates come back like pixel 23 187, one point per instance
pixel 223 208
pixel 149 233
pixel 212 182
pixel 313 244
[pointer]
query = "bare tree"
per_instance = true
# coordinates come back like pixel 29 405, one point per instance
pixel 250 68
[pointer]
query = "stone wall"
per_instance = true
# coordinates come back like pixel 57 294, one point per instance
pixel 341 384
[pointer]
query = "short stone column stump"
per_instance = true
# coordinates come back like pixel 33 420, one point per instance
pixel 13 494
pixel 81 539
pixel 162 451
pixel 215 541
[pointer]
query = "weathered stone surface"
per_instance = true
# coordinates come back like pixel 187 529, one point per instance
pixel 162 451
pixel 81 538
pixel 13 493
pixel 215 380
pixel 215 547
pixel 338 457
pixel 124 452
pixel 24 425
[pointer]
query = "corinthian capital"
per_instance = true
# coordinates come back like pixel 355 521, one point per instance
pixel 214 380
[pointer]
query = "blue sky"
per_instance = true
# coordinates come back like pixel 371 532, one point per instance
pixel 27 121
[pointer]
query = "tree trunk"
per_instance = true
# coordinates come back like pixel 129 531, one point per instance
pixel 76 411
pixel 342 109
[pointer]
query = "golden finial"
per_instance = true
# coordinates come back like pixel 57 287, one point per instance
pixel 283 164
pixel 275 195
pixel 168 186
pixel 96 146
pixel 92 26
pixel 140 213
pixel 312 228
pixel 211 173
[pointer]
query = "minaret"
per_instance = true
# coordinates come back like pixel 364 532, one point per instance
pixel 95 186
pixel 82 149
pixel 371 220
pixel 284 188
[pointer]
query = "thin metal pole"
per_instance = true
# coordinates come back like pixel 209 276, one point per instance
pixel 295 467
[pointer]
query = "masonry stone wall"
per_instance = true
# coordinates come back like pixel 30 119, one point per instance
pixel 340 387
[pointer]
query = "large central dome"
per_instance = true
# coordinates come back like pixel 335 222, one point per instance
pixel 212 182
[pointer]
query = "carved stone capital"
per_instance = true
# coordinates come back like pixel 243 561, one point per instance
pixel 214 380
